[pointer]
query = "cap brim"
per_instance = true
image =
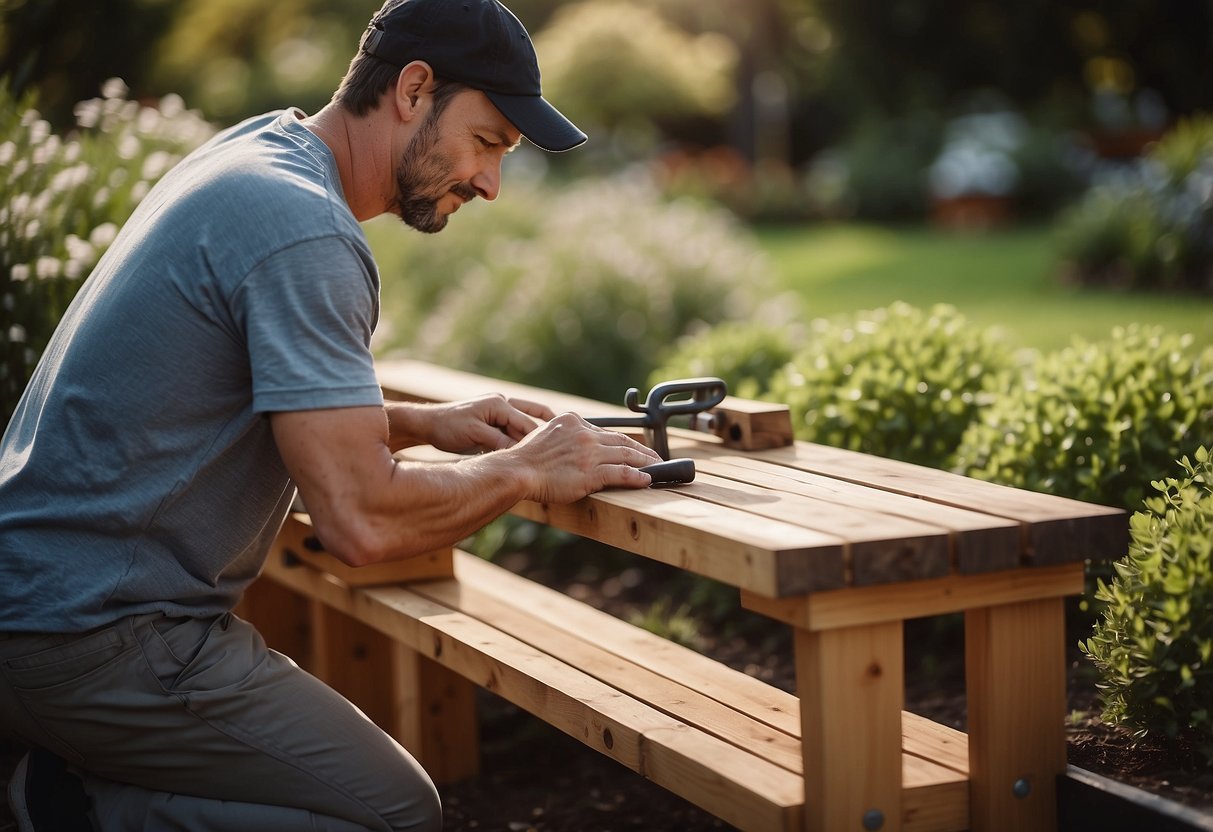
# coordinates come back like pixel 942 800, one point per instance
pixel 542 124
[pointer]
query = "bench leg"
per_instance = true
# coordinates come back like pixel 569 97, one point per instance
pixel 1015 668
pixel 429 709
pixel 435 716
pixel 851 683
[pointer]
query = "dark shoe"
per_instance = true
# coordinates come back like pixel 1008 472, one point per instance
pixel 44 795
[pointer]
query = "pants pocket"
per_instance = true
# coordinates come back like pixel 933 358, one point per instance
pixel 66 662
pixel 53 682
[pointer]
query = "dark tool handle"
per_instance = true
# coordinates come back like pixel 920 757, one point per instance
pixel 671 471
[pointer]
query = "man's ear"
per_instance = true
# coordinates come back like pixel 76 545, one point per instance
pixel 413 84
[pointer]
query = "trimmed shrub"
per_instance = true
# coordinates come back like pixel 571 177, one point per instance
pixel 62 200
pixel 605 280
pixel 1153 646
pixel 1097 421
pixel 898 382
pixel 746 355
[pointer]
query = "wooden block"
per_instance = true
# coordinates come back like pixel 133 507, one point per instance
pixel 918 599
pixel 851 684
pixel 435 716
pixel 1015 670
pixel 297 540
pixel 750 425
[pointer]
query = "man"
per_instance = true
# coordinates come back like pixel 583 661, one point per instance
pixel 215 360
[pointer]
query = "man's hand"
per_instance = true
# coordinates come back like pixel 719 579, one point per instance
pixel 487 423
pixel 569 458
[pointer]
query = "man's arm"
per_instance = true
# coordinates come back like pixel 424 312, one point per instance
pixel 367 506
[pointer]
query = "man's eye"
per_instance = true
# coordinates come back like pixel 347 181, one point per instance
pixel 485 141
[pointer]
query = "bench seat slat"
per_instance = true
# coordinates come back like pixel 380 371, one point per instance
pixel 733 784
pixel 679 701
pixel 935 757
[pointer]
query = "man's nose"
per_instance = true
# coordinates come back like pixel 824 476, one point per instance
pixel 487 180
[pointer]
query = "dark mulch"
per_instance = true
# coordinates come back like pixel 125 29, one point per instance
pixel 536 778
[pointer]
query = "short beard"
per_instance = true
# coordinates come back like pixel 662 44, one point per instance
pixel 419 179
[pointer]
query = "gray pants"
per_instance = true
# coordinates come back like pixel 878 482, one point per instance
pixel 193 724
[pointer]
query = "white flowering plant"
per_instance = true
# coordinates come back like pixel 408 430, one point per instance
pixel 62 201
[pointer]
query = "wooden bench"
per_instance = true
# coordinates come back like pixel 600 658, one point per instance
pixel 843 547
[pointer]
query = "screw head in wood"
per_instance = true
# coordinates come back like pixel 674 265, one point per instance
pixel 1022 788
pixel 873 819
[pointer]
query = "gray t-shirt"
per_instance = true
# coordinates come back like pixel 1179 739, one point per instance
pixel 139 472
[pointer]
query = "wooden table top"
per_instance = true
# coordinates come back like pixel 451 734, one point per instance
pixel 807 517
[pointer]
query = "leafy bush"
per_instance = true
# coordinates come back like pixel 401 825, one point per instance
pixel 897 382
pixel 745 355
pixel 1151 228
pixel 1096 421
pixel 62 200
pixel 598 281
pixel 620 63
pixel 1153 646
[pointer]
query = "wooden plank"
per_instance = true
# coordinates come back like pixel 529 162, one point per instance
pixel 777 708
pixel 435 715
pixel 727 544
pixel 922 738
pixel 928 739
pixel 1057 529
pixel 935 791
pixel 879 548
pixel 628 731
pixel 646 683
pixel 943 807
pixel 1015 677
pixel 918 599
pixel 852 683
pixel 419 381
pixel 297 539
pixel 979 542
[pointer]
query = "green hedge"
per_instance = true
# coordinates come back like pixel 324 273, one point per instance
pixel 1097 421
pixel 746 355
pixel 1153 646
pixel 898 382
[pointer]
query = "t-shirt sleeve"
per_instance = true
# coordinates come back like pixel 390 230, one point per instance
pixel 307 312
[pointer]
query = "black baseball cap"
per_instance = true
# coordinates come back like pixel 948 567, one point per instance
pixel 479 43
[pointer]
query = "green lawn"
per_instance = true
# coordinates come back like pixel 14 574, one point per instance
pixel 1004 278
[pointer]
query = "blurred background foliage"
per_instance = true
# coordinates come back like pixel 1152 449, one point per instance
pixel 777 79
